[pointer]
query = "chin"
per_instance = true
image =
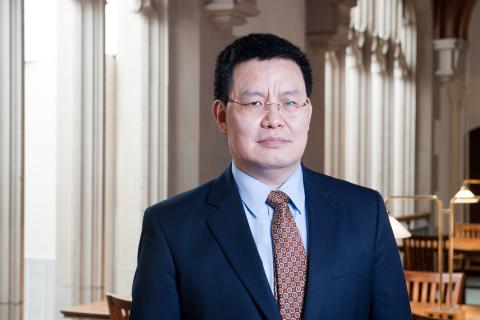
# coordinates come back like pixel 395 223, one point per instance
pixel 277 164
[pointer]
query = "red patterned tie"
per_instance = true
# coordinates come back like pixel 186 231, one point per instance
pixel 290 258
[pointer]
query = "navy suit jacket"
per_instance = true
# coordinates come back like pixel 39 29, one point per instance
pixel 197 258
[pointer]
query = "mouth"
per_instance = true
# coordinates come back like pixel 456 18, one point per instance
pixel 272 142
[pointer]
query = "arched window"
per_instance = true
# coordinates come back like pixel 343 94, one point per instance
pixel 370 99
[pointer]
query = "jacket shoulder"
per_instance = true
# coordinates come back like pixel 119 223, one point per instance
pixel 334 186
pixel 180 203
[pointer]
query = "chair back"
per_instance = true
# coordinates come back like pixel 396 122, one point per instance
pixel 471 260
pixel 421 252
pixel 119 308
pixel 467 230
pixel 424 286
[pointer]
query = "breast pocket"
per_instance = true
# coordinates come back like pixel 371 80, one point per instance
pixel 351 266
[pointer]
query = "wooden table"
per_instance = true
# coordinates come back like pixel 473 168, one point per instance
pixel 94 310
pixel 471 312
pixel 99 310
pixel 466 245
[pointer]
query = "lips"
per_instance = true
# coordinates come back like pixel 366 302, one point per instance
pixel 273 141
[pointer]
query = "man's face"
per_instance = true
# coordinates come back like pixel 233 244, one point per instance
pixel 269 139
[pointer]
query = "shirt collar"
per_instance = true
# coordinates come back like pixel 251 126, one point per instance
pixel 294 188
pixel 254 193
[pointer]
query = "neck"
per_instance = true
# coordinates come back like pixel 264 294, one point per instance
pixel 272 177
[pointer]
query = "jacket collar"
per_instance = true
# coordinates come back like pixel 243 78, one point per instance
pixel 230 228
pixel 323 216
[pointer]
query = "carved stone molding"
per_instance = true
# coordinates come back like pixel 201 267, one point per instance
pixel 228 13
pixel 328 23
pixel 357 40
pixel 400 65
pixel 379 50
pixel 449 54
pixel 145 6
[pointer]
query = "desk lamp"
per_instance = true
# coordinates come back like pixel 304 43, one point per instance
pixel 438 309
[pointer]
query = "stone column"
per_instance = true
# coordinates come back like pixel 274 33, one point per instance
pixel 402 123
pixel 334 112
pixel 328 24
pixel 353 108
pixel 376 170
pixel 397 134
pixel 11 159
pixel 154 66
pixel 450 121
pixel 424 98
pixel 198 32
pixel 165 138
pixel 141 132
pixel 80 216
pixel 451 24
pixel 408 57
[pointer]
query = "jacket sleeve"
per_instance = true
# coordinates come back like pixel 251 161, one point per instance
pixel 390 297
pixel 154 292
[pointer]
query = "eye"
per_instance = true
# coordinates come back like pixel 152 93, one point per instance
pixel 289 103
pixel 255 104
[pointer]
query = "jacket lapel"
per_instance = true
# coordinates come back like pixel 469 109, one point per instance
pixel 322 224
pixel 232 232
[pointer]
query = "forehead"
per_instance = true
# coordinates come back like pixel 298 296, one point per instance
pixel 282 74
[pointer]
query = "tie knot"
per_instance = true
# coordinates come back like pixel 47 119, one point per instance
pixel 277 198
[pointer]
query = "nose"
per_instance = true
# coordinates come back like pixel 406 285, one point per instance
pixel 273 117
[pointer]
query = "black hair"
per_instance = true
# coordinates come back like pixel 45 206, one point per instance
pixel 261 46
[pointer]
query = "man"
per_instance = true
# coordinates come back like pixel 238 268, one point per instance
pixel 269 238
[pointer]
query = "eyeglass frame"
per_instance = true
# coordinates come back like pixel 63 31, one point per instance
pixel 298 106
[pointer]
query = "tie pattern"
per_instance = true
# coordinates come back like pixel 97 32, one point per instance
pixel 290 258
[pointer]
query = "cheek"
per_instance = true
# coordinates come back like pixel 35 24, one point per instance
pixel 242 130
pixel 243 139
pixel 300 128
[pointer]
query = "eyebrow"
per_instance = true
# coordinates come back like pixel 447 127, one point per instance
pixel 290 92
pixel 252 93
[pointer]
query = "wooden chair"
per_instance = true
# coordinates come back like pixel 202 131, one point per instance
pixel 119 308
pixel 469 231
pixel 424 286
pixel 420 253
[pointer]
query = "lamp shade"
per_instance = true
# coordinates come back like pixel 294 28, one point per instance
pixel 464 195
pixel 399 231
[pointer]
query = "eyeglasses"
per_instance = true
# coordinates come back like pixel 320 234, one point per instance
pixel 287 106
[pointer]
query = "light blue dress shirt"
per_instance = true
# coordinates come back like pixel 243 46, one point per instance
pixel 259 214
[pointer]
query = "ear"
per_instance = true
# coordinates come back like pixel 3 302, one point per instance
pixel 219 111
